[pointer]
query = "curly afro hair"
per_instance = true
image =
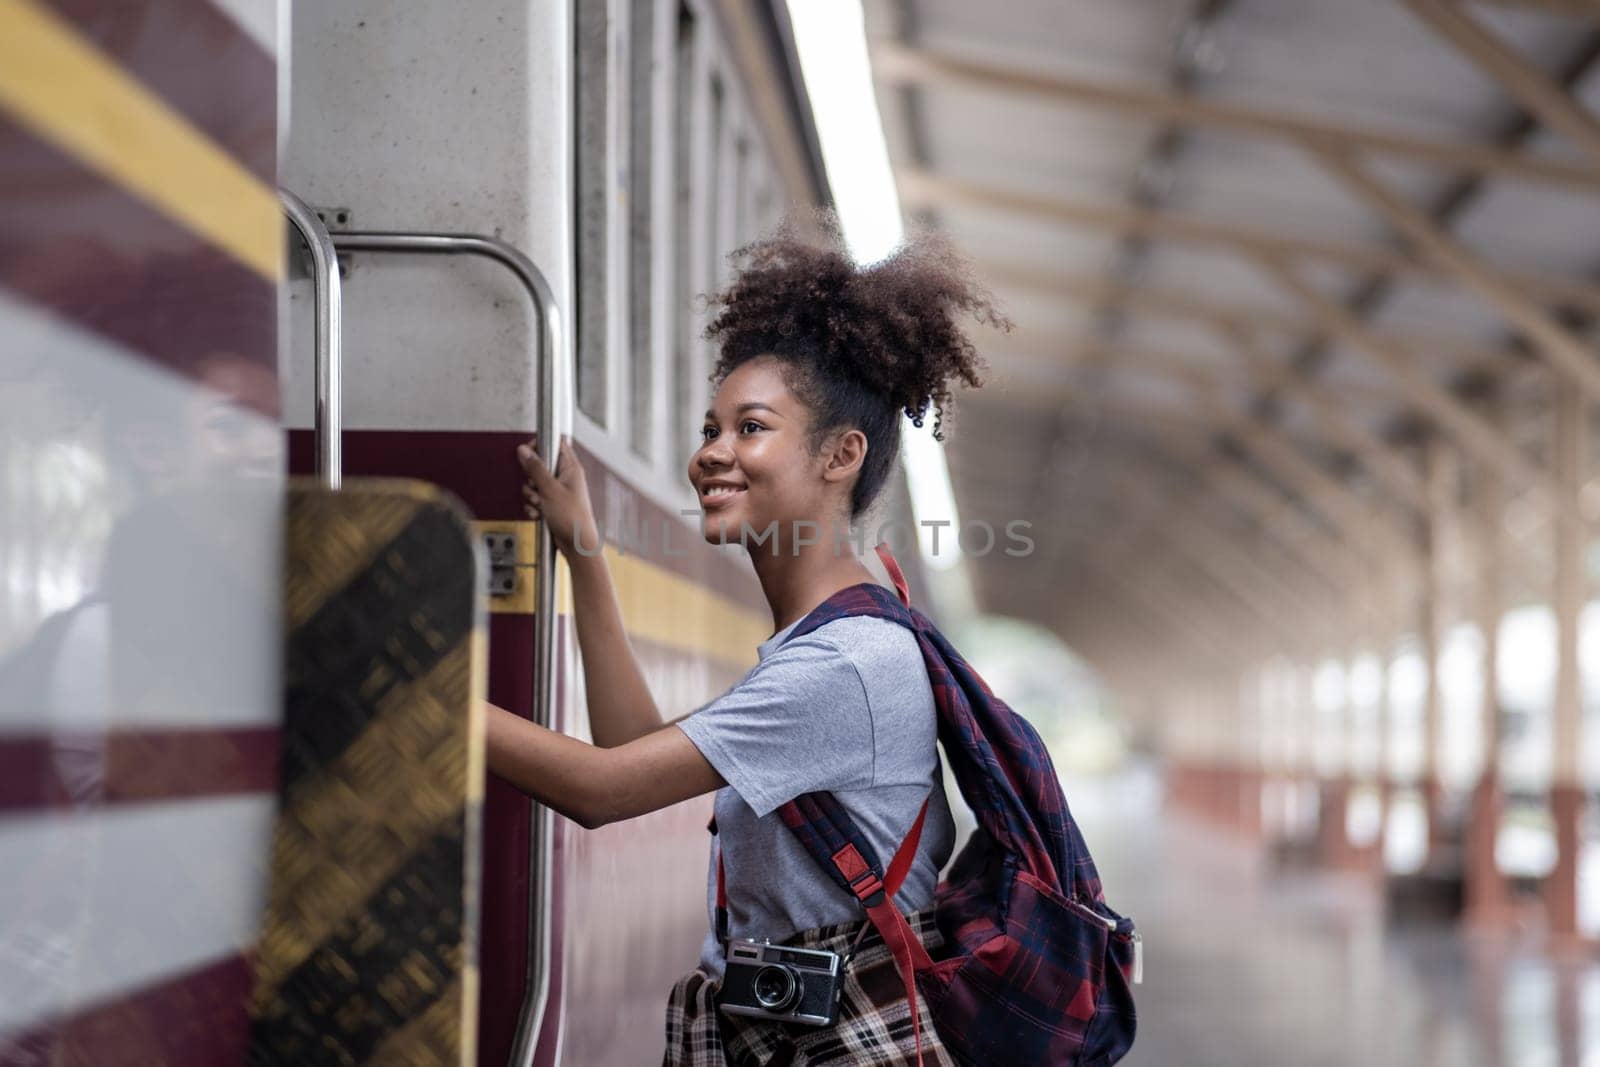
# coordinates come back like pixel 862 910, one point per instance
pixel 858 344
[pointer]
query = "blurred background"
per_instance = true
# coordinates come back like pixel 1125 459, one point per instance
pixel 1275 513
pixel 1299 406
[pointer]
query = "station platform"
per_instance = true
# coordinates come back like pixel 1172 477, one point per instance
pixel 1247 966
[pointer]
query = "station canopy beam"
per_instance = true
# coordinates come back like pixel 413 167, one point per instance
pixel 894 63
pixel 921 189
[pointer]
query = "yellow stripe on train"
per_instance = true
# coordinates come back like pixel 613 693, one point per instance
pixel 669 609
pixel 658 605
pixel 66 91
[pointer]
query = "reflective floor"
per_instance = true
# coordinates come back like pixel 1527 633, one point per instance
pixel 1248 966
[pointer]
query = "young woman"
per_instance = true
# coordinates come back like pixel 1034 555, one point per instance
pixel 818 361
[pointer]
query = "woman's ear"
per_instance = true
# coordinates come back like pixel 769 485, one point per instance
pixel 845 455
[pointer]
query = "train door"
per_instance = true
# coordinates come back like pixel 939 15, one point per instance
pixel 502 184
pixel 432 143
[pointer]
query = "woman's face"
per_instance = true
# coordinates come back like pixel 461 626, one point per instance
pixel 753 466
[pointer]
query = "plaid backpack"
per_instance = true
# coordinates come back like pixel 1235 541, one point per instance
pixel 1039 966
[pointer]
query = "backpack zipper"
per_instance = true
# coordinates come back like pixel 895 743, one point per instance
pixel 1111 924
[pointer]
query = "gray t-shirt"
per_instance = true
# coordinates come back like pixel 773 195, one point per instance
pixel 848 709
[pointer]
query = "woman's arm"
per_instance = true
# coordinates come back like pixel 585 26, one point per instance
pixel 621 708
pixel 594 786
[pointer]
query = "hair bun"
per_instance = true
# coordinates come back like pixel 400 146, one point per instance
pixel 894 325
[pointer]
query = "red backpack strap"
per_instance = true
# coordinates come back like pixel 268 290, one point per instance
pixel 722 885
pixel 877 897
pixel 826 830
pixel 896 575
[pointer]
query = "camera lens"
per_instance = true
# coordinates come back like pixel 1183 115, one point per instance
pixel 775 987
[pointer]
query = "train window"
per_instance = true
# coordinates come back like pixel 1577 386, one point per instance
pixel 742 222
pixel 593 237
pixel 641 224
pixel 725 211
pixel 684 141
pixel 713 175
pixel 762 201
pixel 706 224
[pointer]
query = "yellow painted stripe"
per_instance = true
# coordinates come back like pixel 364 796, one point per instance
pixel 71 94
pixel 677 612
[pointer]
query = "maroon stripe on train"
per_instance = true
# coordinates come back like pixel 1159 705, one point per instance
pixel 481 468
pixel 197 60
pixel 199 1017
pixel 79 770
pixel 507 829
pixel 79 245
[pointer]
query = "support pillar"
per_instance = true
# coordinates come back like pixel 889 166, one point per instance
pixel 1487 896
pixel 1571 590
pixel 1247 752
pixel 1440 475
pixel 1332 842
pixel 1393 606
pixel 1332 765
pixel 1367 717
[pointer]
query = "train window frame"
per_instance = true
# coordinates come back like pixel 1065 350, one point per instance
pixel 689 100
pixel 661 476
pixel 737 182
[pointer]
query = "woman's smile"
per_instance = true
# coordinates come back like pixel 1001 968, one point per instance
pixel 718 494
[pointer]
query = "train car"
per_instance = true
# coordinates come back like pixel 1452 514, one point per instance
pixel 622 150
pixel 497 218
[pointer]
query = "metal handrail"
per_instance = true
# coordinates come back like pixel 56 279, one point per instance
pixel 327 417
pixel 547 406
pixel 550 368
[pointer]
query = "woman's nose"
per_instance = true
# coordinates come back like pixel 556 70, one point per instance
pixel 713 454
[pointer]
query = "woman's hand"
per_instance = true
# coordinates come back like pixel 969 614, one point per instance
pixel 560 500
pixel 621 708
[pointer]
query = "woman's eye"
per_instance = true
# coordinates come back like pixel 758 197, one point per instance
pixel 748 423
pixel 707 432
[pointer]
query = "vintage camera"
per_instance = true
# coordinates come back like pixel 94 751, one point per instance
pixel 768 981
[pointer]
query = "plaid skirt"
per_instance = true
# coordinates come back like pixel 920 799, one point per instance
pixel 874 1025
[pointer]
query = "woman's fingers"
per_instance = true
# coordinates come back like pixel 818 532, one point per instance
pixel 533 464
pixel 566 461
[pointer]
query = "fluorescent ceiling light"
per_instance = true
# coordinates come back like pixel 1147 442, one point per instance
pixel 830 37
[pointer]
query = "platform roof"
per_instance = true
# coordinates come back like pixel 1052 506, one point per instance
pixel 1259 254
